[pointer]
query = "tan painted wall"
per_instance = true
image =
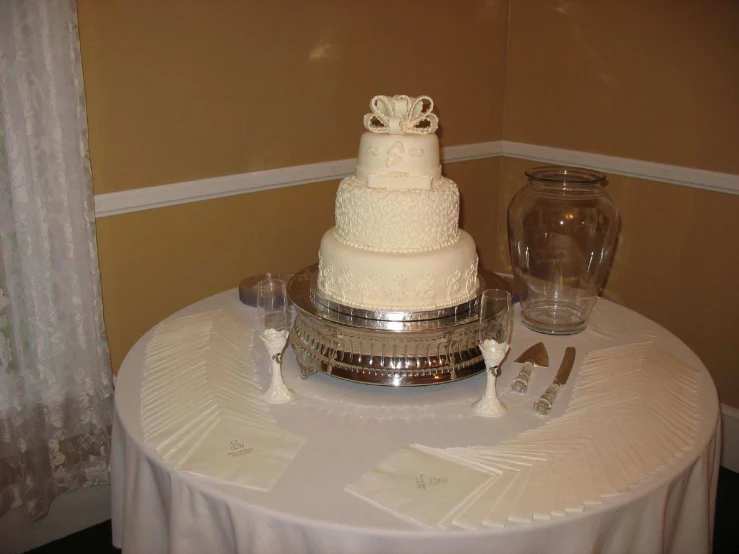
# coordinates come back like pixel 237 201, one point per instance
pixel 655 80
pixel 188 89
pixel 182 90
pixel 192 89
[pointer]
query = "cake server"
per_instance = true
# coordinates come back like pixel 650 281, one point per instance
pixel 533 356
pixel 544 404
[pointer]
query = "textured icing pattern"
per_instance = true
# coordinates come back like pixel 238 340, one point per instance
pixel 383 220
pixel 377 280
pixel 428 292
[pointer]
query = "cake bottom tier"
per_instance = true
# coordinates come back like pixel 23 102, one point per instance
pixel 393 281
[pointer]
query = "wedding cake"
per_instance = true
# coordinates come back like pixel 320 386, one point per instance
pixel 397 244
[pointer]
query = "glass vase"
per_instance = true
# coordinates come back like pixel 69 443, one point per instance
pixel 562 229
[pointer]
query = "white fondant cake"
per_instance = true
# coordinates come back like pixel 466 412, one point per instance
pixel 391 280
pixel 397 243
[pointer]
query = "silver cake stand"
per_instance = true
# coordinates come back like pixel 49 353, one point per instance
pixel 385 347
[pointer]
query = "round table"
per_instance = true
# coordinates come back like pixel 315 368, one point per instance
pixel 350 428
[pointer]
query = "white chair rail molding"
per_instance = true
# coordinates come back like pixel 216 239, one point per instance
pixel 146 198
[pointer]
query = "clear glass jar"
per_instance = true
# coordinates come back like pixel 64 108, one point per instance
pixel 562 229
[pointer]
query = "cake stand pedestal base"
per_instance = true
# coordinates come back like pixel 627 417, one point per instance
pixel 394 349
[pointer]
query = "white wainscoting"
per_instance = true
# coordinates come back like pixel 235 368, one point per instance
pixel 730 429
pixel 147 198
pixel 677 175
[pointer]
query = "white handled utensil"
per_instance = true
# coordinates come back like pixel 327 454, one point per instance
pixel 544 404
pixel 533 356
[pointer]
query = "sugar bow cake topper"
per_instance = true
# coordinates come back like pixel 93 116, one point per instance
pixel 401 114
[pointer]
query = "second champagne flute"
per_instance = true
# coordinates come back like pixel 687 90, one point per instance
pixel 272 309
pixel 494 335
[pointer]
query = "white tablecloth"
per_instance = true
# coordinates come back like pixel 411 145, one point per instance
pixel 350 428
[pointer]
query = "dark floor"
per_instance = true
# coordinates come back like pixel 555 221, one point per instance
pixel 96 540
pixel 725 531
pixel 93 540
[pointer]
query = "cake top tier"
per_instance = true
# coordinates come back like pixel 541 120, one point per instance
pixel 401 114
pixel 400 150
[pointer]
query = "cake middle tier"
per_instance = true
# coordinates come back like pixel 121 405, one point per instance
pixel 393 281
pixel 410 220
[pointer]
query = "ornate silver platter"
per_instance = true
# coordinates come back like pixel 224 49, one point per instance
pixel 390 348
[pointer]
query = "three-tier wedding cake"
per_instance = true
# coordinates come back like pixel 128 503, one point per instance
pixel 397 244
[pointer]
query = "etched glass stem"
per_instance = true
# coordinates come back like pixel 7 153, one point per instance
pixel 490 405
pixel 277 393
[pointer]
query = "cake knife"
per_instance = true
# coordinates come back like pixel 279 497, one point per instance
pixel 533 356
pixel 544 404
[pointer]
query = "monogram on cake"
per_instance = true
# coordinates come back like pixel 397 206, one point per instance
pixel 397 244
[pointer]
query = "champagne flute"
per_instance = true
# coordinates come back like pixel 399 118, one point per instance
pixel 272 309
pixel 494 336
pixel 496 320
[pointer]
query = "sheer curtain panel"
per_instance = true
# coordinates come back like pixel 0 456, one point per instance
pixel 55 375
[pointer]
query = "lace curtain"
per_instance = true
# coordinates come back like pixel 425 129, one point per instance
pixel 55 375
